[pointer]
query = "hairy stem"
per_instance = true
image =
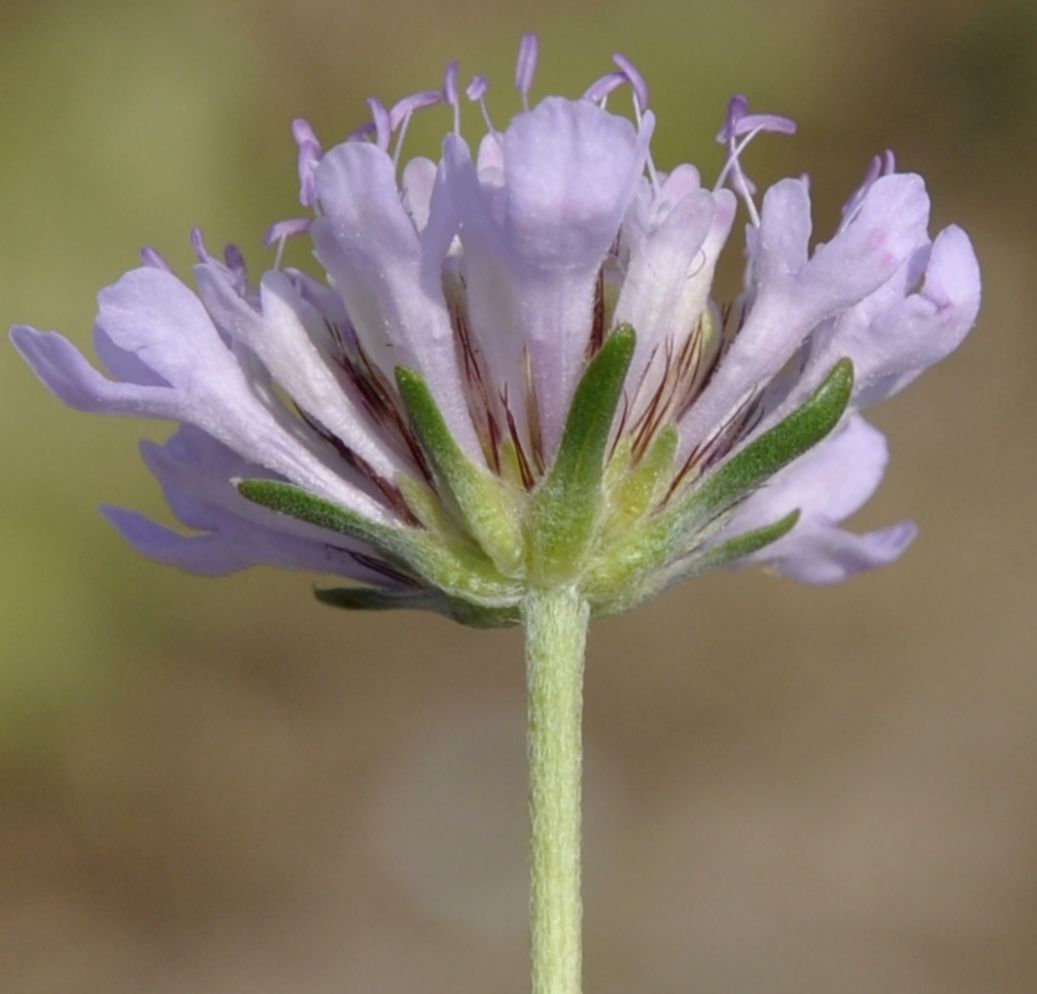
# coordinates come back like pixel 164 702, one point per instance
pixel 555 622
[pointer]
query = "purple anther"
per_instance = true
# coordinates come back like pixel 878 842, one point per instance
pixel 382 126
pixel 286 229
pixel 526 67
pixel 303 133
pixel 450 85
pixel 361 134
pixel 477 88
pixel 740 122
pixel 403 109
pixel 880 165
pixel 234 258
pixel 309 157
pixel 154 259
pixel 637 81
pixel 199 246
pixel 601 88
pixel 235 261
pixel 737 108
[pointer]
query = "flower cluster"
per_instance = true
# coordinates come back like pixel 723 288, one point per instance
pixel 516 374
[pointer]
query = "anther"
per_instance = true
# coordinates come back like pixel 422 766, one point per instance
pixel 525 68
pixel 154 259
pixel 199 246
pixel 476 92
pixel 740 124
pixel 309 157
pixel 380 119
pixel 598 92
pixel 402 112
pixel 634 77
pixel 450 94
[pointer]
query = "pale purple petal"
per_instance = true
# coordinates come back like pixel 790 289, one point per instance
pixel 196 474
pixel 679 182
pixel 700 281
pixel 894 334
pixel 489 161
pixel 124 365
pixel 793 294
pixel 67 374
pixel 823 554
pixel 927 326
pixel 890 224
pixel 534 245
pixel 783 242
pixel 570 171
pixel 775 326
pixel 660 264
pixel 419 178
pixel 154 317
pixel 391 280
pixel 233 544
pixel 284 337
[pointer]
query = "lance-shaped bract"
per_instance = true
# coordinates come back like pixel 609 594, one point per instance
pixel 566 508
pixel 483 501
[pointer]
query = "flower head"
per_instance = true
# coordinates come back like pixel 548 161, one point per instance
pixel 516 373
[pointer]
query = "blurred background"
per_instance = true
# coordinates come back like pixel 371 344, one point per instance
pixel 220 786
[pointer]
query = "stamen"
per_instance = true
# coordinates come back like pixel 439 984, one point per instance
pixel 880 165
pixel 536 443
pixel 653 173
pixel 528 480
pixel 450 94
pixel 154 259
pixel 480 406
pixel 362 133
pixel 282 230
pixel 235 261
pixel 525 69
pixel 477 88
pixel 740 124
pixel 309 157
pixel 392 494
pixel 403 110
pixel 382 127
pixel 476 92
pixel 199 246
pixel 636 80
pixel 598 92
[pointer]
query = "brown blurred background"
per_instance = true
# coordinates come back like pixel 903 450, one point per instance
pixel 214 787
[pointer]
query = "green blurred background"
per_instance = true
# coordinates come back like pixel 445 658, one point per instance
pixel 218 786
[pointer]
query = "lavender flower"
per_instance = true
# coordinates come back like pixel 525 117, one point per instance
pixel 516 374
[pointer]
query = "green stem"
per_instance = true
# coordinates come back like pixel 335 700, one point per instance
pixel 555 623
